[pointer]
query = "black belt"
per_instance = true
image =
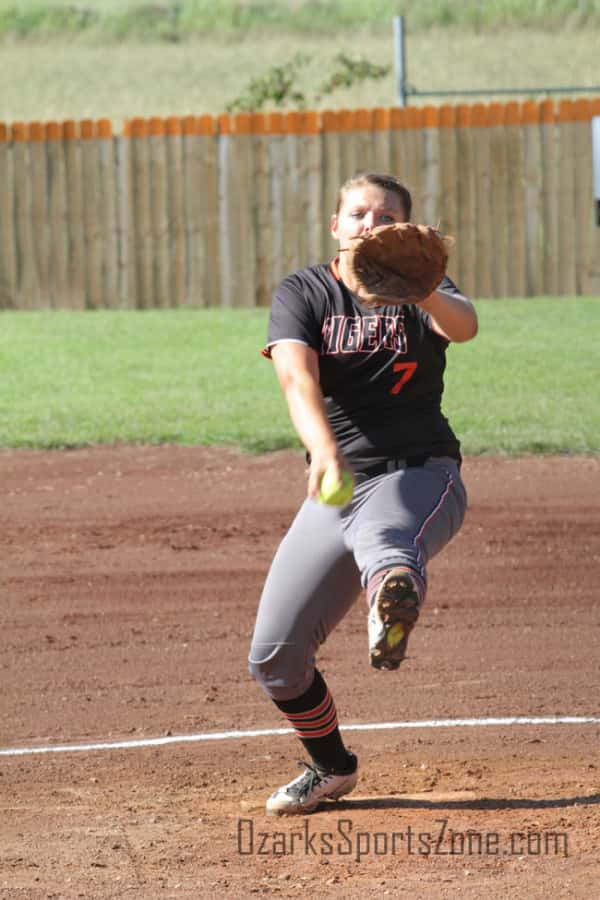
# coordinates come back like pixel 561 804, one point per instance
pixel 392 465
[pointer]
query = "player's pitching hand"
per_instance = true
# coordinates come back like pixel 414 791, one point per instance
pixel 334 464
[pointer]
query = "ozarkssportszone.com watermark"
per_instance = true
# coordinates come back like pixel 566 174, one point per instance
pixel 355 844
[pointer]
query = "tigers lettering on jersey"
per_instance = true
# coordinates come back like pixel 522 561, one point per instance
pixel 380 370
pixel 363 334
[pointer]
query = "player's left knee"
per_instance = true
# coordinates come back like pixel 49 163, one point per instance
pixel 282 670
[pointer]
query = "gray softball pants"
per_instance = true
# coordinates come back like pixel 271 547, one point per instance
pixel 401 518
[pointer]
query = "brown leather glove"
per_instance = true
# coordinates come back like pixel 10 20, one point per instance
pixel 401 263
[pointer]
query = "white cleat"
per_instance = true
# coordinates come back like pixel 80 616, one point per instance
pixel 305 793
pixel 393 614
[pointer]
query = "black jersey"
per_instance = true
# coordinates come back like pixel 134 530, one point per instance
pixel 381 370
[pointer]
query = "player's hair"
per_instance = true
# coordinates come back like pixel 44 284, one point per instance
pixel 385 182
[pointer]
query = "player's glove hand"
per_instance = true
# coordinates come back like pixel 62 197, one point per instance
pixel 401 263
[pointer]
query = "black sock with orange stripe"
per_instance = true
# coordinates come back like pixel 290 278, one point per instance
pixel 313 717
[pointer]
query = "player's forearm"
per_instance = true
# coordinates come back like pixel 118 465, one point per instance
pixel 307 412
pixel 454 314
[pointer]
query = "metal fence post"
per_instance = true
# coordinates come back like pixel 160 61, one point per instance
pixel 596 164
pixel 400 60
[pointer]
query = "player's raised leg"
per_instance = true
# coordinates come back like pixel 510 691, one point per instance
pixel 409 516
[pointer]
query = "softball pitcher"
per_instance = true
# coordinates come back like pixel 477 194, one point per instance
pixel 363 388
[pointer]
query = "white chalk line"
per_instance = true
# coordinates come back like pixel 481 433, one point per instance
pixel 268 732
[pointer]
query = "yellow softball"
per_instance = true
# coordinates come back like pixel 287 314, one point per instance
pixel 333 492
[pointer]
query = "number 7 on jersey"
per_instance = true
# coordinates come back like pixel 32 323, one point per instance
pixel 408 369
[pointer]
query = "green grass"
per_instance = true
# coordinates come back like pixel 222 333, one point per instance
pixel 45 80
pixel 526 384
pixel 192 377
pixel 176 20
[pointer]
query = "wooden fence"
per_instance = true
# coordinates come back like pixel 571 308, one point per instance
pixel 215 211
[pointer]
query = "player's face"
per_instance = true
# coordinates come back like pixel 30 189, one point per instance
pixel 364 208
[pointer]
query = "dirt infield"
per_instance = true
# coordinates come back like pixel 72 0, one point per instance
pixel 130 578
